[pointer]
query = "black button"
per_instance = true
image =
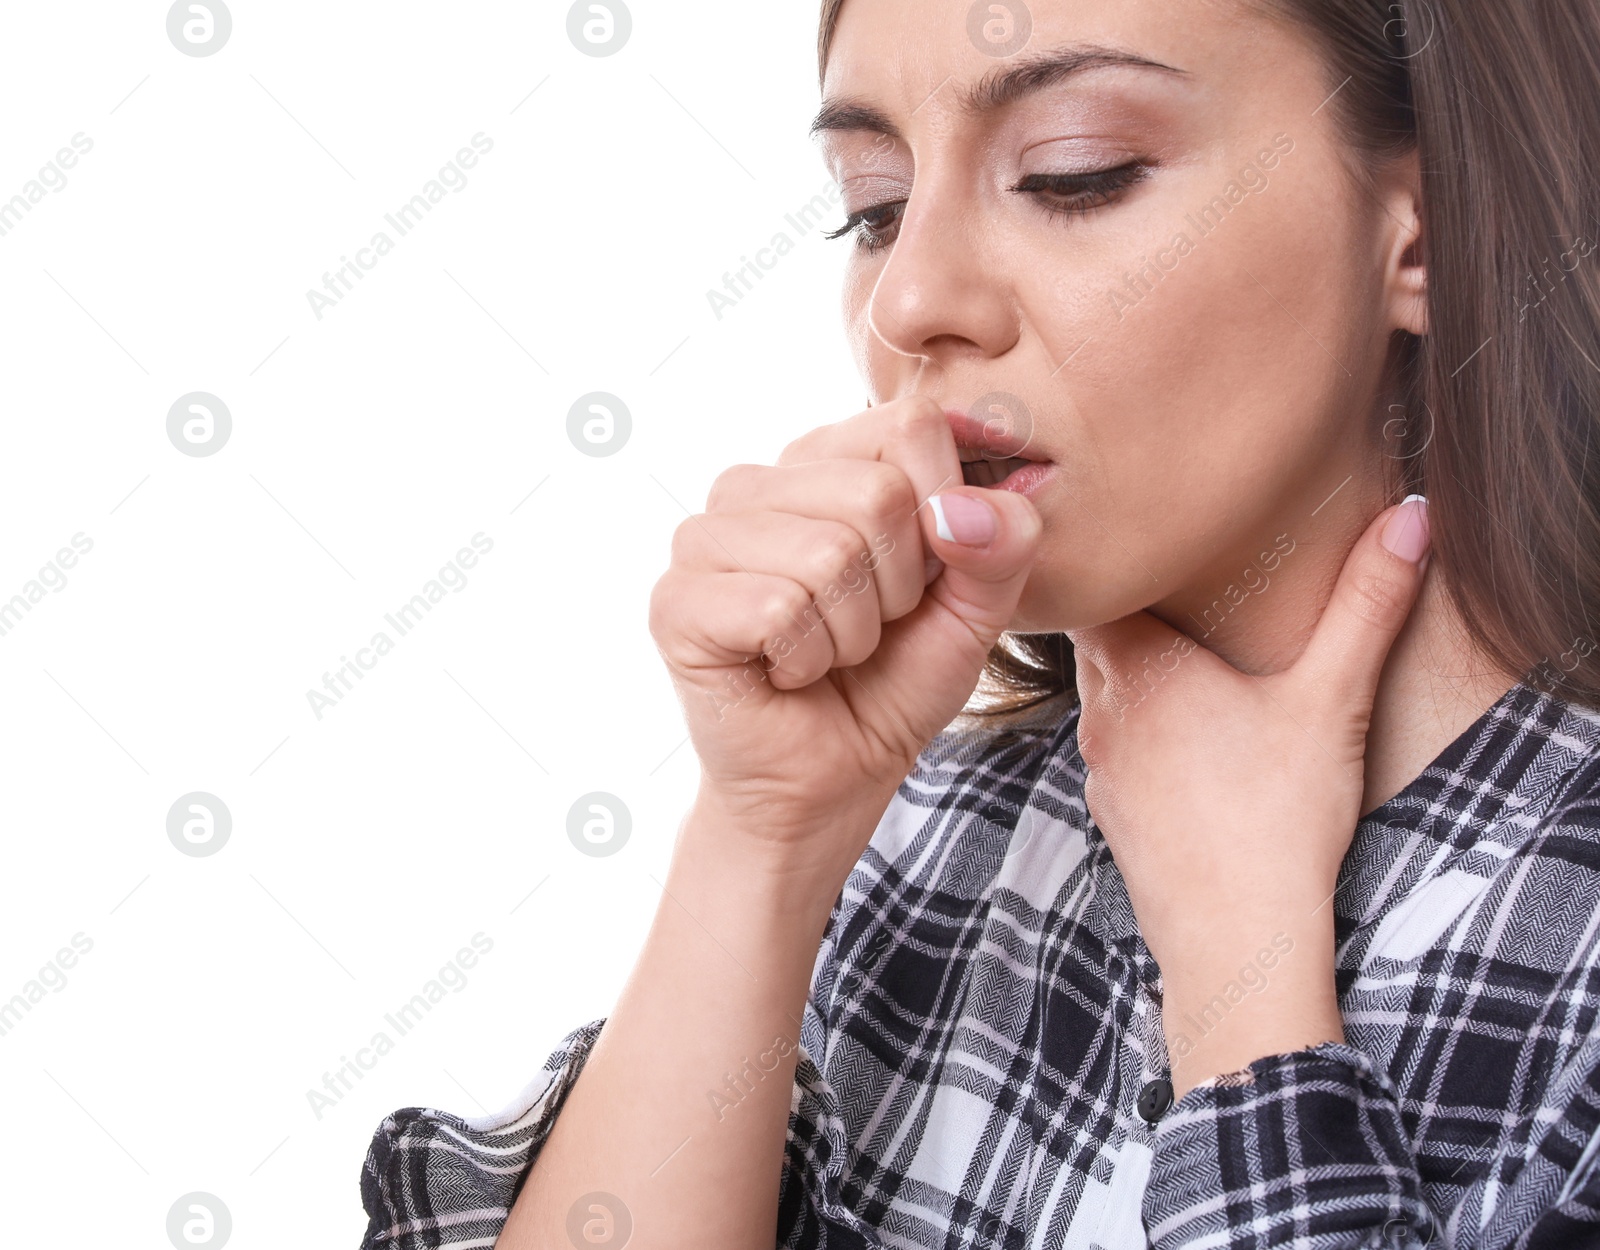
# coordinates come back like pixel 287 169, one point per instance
pixel 1154 1099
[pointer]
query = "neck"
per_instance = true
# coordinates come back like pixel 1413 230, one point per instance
pixel 1435 683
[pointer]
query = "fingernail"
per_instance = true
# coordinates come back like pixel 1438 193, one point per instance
pixel 931 568
pixel 1406 534
pixel 963 519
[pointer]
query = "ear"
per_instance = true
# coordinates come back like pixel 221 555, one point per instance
pixel 1405 270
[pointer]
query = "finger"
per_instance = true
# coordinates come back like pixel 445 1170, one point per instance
pixel 957 623
pixel 826 558
pixel 871 496
pixel 912 434
pixel 728 633
pixel 1370 603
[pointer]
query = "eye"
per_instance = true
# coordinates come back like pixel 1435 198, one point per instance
pixel 1081 193
pixel 1055 193
pixel 871 225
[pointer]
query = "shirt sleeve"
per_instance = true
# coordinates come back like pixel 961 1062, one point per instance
pixel 1305 1149
pixel 434 1179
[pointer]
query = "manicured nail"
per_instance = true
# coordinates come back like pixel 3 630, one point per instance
pixel 1406 534
pixel 963 519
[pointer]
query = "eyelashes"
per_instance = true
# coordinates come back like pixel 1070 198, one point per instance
pixel 1081 193
pixel 1056 194
pixel 868 225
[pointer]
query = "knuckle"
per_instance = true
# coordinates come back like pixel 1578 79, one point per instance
pixel 806 448
pixel 1377 598
pixel 779 609
pixel 1100 796
pixel 669 626
pixel 1094 798
pixel 660 610
pixel 732 484
pixel 856 648
pixel 1087 647
pixel 1089 745
pixel 886 494
pixel 918 416
pixel 686 539
pixel 837 552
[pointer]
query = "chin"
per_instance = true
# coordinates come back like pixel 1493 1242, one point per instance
pixel 1046 610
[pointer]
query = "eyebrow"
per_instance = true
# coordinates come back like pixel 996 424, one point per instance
pixel 996 88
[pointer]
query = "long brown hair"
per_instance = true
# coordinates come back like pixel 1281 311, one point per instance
pixel 1498 403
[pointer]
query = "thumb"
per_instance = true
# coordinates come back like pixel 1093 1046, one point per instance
pixel 1370 602
pixel 986 540
pixel 983 543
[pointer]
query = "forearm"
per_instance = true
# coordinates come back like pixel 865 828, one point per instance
pixel 717 993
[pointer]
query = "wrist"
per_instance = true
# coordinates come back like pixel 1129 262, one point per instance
pixel 791 863
pixel 1228 1007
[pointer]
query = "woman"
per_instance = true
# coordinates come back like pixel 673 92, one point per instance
pixel 1257 902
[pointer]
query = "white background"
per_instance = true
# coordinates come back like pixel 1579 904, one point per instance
pixel 367 447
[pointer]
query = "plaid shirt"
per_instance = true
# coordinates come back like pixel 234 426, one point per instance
pixel 982 1053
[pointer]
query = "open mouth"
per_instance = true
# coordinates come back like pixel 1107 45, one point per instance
pixel 979 469
pixel 990 449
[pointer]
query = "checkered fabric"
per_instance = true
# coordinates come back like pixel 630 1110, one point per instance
pixel 984 1030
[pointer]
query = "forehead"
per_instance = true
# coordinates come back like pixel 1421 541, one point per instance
pixel 912 59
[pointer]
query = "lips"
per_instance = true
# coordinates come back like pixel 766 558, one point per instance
pixel 993 453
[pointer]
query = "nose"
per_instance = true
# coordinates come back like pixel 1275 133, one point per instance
pixel 943 294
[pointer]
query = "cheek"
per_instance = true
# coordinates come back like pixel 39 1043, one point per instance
pixel 1214 381
pixel 875 363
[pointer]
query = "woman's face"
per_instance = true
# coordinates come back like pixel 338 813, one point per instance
pixel 1167 267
